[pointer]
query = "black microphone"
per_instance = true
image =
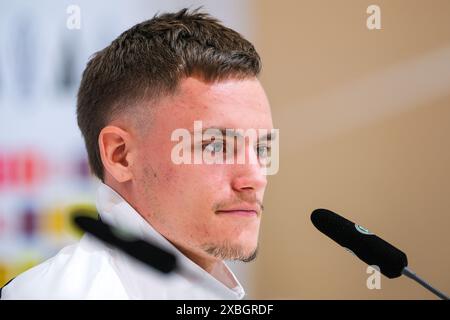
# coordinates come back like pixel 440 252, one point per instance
pixel 370 248
pixel 148 253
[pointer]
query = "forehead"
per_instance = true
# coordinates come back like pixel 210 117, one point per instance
pixel 230 104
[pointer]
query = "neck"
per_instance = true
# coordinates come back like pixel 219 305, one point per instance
pixel 214 266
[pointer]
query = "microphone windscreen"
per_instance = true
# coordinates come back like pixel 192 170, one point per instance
pixel 368 247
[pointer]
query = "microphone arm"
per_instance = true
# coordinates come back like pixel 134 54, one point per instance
pixel 412 275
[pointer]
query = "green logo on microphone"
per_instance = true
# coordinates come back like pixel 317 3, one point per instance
pixel 362 229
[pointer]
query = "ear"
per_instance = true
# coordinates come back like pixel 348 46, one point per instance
pixel 116 152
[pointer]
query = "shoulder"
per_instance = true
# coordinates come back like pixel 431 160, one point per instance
pixel 84 270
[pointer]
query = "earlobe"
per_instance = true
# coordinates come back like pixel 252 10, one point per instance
pixel 115 152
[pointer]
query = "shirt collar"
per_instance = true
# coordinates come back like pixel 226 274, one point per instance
pixel 117 212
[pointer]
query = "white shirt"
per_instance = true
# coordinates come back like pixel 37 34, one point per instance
pixel 91 269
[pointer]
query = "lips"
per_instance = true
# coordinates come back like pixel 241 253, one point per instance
pixel 239 212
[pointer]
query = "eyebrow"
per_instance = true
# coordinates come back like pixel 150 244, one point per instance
pixel 232 133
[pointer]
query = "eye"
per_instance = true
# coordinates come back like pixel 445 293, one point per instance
pixel 214 146
pixel 263 151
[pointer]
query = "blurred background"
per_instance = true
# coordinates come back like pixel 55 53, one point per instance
pixel 364 119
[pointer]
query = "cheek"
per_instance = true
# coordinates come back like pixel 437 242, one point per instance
pixel 196 179
pixel 186 190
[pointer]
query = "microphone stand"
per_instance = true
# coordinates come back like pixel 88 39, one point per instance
pixel 412 275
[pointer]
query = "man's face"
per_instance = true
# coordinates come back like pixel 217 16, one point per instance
pixel 206 210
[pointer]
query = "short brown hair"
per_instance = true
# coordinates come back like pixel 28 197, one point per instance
pixel 149 60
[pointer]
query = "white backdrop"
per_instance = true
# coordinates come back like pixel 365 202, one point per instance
pixel 43 163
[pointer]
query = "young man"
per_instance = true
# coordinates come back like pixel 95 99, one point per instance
pixel 160 76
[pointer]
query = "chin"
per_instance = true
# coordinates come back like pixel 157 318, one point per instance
pixel 247 247
pixel 231 249
pixel 250 254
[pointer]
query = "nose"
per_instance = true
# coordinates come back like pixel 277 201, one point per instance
pixel 249 177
